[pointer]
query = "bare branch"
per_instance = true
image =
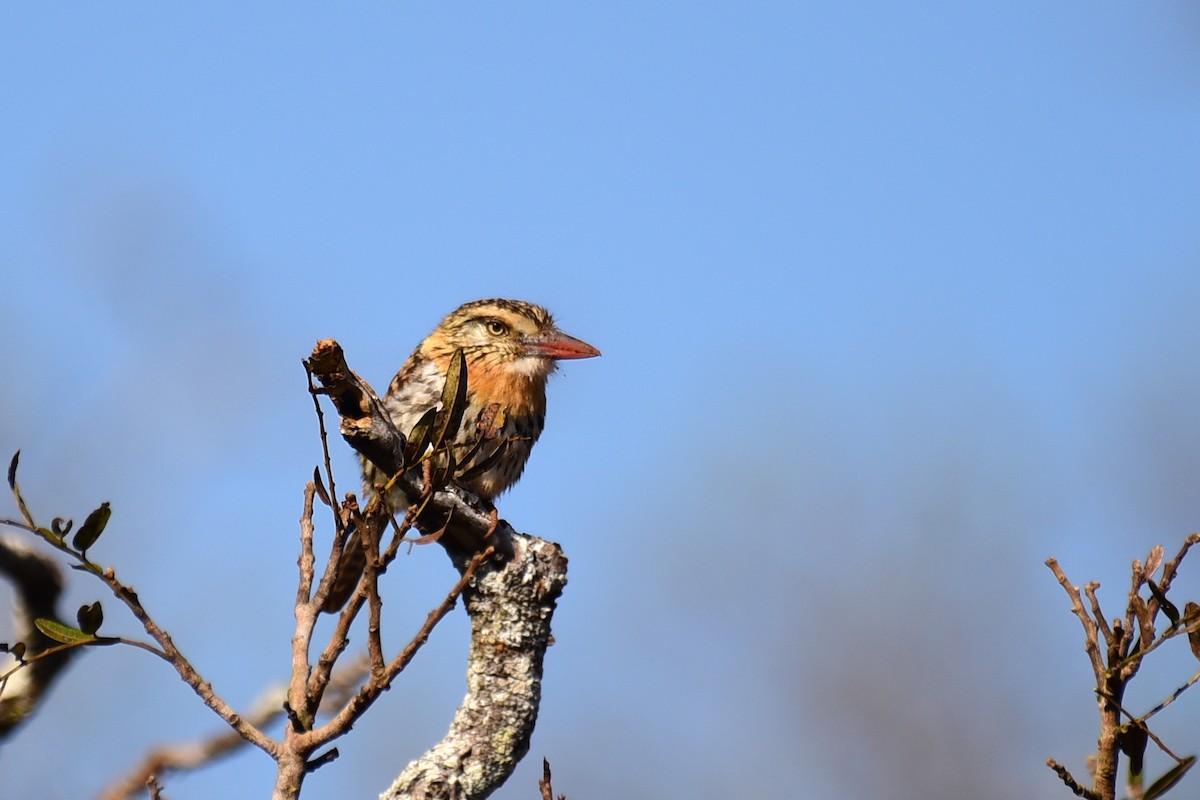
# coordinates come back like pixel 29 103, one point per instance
pixel 1072 784
pixel 381 679
pixel 306 614
pixel 164 760
pixel 1090 629
pixel 1129 640
pixel 192 755
pixel 166 647
pixel 183 666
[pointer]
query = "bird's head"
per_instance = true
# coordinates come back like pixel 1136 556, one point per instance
pixel 511 335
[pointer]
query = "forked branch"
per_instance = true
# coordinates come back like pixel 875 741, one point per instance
pixel 1116 652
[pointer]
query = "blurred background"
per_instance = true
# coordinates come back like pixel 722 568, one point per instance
pixel 896 301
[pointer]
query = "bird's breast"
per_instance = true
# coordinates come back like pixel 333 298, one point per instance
pixel 516 393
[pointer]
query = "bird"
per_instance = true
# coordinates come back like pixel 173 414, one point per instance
pixel 510 349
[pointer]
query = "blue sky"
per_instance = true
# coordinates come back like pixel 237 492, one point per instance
pixel 896 300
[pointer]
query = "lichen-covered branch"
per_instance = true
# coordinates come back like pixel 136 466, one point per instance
pixel 510 607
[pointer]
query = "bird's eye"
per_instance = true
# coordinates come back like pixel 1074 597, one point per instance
pixel 496 328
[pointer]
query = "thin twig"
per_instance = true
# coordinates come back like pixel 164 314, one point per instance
pixel 313 392
pixel 171 758
pixel 185 669
pixel 371 690
pixel 1172 567
pixel 1174 696
pixel 339 522
pixel 169 652
pixel 1072 784
pixel 306 614
pixel 1089 624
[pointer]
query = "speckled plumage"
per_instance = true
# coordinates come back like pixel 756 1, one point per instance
pixel 511 347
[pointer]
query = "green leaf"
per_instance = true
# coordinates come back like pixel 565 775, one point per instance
pixel 60 526
pixel 92 527
pixel 319 485
pixel 1191 615
pixel 62 633
pixel 445 469
pixel 12 471
pixel 476 448
pixel 1166 605
pixel 1169 779
pixel 454 399
pixel 486 463
pixel 90 617
pixel 1132 739
pixel 17 650
pixel 419 436
pixel 12 484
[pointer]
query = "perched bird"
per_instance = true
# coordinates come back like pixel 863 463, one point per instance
pixel 510 348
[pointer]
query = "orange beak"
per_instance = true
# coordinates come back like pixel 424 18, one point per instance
pixel 557 345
